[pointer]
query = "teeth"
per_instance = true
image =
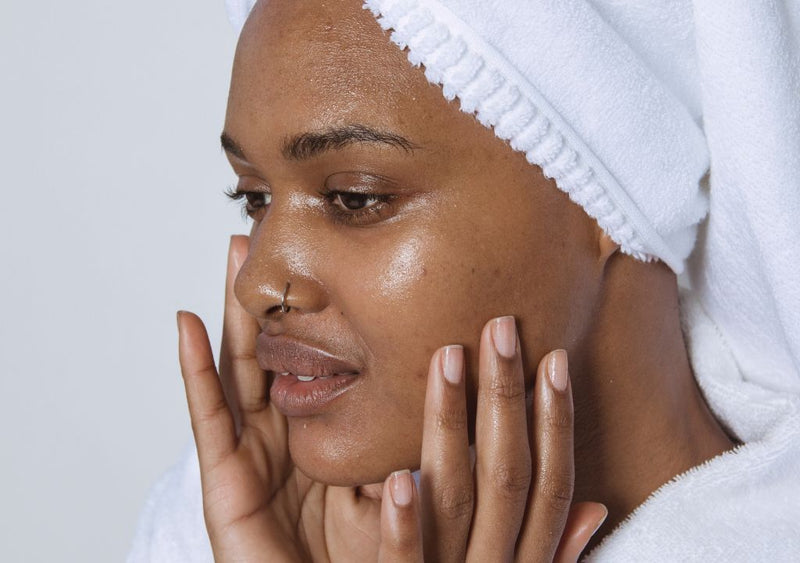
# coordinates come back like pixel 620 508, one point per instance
pixel 308 378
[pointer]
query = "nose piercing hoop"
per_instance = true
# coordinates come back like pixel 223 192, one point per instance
pixel 284 307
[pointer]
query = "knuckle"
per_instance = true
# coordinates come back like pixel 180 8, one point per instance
pixel 511 481
pixel 455 503
pixel 560 421
pixel 507 388
pixel 212 412
pixel 451 418
pixel 557 492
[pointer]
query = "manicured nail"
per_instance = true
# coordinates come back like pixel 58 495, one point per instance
pixel 453 363
pixel 557 369
pixel 401 487
pixel 504 335
pixel 601 519
pixel 234 258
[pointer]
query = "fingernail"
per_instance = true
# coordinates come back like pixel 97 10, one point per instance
pixel 453 363
pixel 557 369
pixel 178 318
pixel 504 335
pixel 401 487
pixel 601 519
pixel 237 265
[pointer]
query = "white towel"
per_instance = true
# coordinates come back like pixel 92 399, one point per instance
pixel 746 270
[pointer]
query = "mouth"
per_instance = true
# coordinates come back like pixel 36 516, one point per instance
pixel 306 379
pixel 308 395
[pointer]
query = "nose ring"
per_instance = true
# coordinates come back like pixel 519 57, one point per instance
pixel 284 307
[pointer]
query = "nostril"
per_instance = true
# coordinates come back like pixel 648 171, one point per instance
pixel 265 295
pixel 274 310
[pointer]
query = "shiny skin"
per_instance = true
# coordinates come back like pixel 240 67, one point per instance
pixel 473 231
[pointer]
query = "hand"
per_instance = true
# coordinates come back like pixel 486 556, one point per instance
pixel 257 506
pixel 506 512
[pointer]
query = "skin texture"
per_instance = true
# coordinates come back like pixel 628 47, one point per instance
pixel 472 232
pixel 458 246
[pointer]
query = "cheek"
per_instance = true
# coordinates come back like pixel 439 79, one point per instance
pixel 405 293
pixel 408 292
pixel 401 270
pixel 400 293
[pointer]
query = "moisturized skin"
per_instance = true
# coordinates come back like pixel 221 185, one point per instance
pixel 404 225
pixel 471 230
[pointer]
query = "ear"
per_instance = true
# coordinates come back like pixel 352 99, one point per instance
pixel 606 247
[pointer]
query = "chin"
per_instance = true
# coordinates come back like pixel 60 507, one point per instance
pixel 349 457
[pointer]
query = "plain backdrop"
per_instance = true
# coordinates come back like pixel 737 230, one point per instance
pixel 111 218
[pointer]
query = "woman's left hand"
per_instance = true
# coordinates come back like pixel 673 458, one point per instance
pixel 509 509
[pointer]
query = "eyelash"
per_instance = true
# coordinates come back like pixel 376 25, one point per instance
pixel 339 212
pixel 345 216
pixel 247 206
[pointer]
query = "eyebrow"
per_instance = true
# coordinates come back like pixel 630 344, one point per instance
pixel 231 146
pixel 313 143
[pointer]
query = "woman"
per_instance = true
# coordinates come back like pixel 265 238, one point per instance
pixel 391 227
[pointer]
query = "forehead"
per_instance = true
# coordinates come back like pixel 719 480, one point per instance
pixel 306 65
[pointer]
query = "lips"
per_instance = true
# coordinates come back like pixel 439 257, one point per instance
pixel 307 379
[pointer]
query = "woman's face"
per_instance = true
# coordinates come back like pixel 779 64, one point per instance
pixel 401 223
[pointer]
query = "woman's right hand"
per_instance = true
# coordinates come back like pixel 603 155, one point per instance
pixel 257 505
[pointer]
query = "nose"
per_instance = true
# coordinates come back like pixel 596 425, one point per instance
pixel 279 275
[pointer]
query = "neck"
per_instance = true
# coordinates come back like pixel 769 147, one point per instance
pixel 640 419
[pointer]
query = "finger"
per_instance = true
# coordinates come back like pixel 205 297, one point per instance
pixel 212 422
pixel 503 466
pixel 446 491
pixel 401 536
pixel 551 492
pixel 584 519
pixel 244 382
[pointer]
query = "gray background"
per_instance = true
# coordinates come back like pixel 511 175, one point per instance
pixel 111 218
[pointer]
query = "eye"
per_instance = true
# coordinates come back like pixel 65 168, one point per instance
pixel 256 200
pixel 253 203
pixel 358 209
pixel 354 201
